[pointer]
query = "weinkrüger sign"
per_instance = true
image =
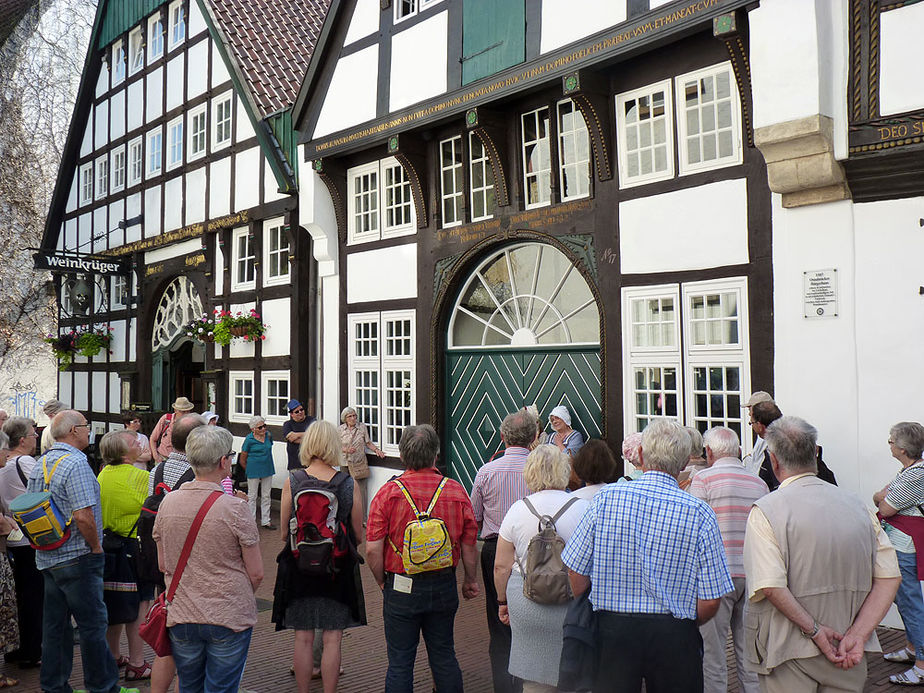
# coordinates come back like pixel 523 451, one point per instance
pixel 75 264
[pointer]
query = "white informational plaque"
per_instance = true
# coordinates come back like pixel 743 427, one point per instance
pixel 819 293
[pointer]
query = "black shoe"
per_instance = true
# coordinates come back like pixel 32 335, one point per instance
pixel 13 656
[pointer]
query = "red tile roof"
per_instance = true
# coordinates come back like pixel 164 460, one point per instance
pixel 272 42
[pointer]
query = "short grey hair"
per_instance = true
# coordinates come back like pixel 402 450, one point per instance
pixel 665 446
pixel 52 407
pixel 115 445
pixel 419 446
pixel 907 435
pixel 17 428
pixel 793 442
pixel 346 412
pixel 723 442
pixel 696 441
pixel 547 467
pixel 4 441
pixel 206 445
pixel 519 428
pixel 255 421
pixel 64 421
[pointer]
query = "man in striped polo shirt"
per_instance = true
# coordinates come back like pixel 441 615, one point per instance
pixel 498 485
pixel 730 489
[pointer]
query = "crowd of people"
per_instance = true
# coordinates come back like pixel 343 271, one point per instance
pixel 595 577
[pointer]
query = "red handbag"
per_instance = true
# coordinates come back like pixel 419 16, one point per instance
pixel 154 629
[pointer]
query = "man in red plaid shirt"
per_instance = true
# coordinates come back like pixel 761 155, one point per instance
pixel 424 602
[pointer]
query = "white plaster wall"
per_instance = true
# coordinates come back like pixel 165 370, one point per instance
pixel 86 144
pixel 901 82
pixel 72 193
pixel 102 81
pixel 365 271
pixel 133 332
pixel 100 229
pixel 152 201
pixel 80 395
pixel 243 127
pixel 220 187
pixel 133 209
pixel 193 245
pixel 277 314
pixel 154 104
pixel 414 79
pixel 175 81
pixel 117 115
pixel 329 405
pixel 270 186
pixel 219 71
pixel 173 203
pixel 65 389
pixel 240 348
pixel 28 382
pixel 115 394
pixel 101 134
pixel 116 215
pixel 197 78
pixel 247 179
pixel 135 105
pixel 564 21
pixel 196 24
pixel 365 21
pixel 85 230
pixel 695 228
pixel 195 196
pixel 118 340
pixel 99 392
pixel 350 99
pixel 70 233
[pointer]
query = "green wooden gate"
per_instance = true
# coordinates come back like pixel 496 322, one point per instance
pixel 484 386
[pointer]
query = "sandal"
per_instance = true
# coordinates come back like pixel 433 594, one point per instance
pixel 122 661
pixel 907 678
pixel 7 682
pixel 138 673
pixel 902 656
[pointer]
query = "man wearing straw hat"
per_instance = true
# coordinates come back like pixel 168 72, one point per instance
pixel 161 446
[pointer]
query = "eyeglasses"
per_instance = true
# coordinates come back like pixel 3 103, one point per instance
pixel 82 426
pixel 231 455
pixel 257 428
pixel 32 435
pixel 297 411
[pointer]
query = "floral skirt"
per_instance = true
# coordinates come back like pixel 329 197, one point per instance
pixel 9 621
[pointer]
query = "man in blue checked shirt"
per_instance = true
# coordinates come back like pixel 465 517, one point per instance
pixel 653 559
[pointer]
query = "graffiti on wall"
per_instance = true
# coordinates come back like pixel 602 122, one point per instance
pixel 24 402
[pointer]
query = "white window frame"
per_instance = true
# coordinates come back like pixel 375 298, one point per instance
pixel 135 51
pixel 626 181
pixel 135 160
pixel 195 115
pixel 155 37
pixel 86 180
pixel 118 62
pixel 235 414
pixel 265 378
pixel 545 194
pixel 236 258
pixel 574 133
pixel 177 25
pixel 218 103
pixel 734 98
pixel 271 226
pixel 411 8
pixel 456 196
pixel 154 157
pixel 684 356
pixel 379 195
pixel 117 173
pixel 485 163
pixel 101 175
pixel 121 290
pixel 175 143
pixel 382 364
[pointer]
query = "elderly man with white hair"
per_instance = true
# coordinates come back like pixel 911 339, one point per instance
pixel 730 489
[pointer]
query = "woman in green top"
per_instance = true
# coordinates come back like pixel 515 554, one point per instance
pixel 122 489
pixel 257 460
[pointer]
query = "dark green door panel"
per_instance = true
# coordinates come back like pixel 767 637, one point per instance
pixel 493 37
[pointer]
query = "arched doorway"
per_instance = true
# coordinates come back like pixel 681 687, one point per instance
pixel 176 360
pixel 525 329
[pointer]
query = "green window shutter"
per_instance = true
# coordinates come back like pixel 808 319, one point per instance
pixel 493 37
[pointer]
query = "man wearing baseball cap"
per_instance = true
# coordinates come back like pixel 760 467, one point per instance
pixel 294 429
pixel 753 461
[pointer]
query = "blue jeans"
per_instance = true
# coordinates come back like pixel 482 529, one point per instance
pixel 430 608
pixel 209 658
pixel 75 588
pixel 910 601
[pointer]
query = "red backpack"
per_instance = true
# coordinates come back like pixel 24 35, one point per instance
pixel 318 535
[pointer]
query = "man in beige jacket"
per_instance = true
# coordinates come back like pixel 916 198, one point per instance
pixel 820 574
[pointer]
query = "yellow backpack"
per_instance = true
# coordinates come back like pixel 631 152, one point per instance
pixel 426 540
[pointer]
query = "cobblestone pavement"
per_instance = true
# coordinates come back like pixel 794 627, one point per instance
pixel 364 657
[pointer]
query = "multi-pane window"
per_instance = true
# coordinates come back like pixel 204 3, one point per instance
pixel 86 183
pixel 573 151
pixel 243 261
pixel 221 127
pixel 135 161
pixel 118 62
pixel 707 119
pixel 241 386
pixel 409 8
pixel 175 143
pixel 118 169
pixel 379 203
pixel 275 395
pixel 177 24
pixel 121 291
pixel 645 135
pixel 198 120
pixel 537 161
pixel 135 51
pixel 482 179
pixel 700 379
pixel 381 364
pixel 155 37
pixel 451 181
pixel 276 250
pixel 102 176
pixel 155 152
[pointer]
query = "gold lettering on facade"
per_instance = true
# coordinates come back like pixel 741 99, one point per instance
pixel 195 260
pixel 191 231
pixel 153 269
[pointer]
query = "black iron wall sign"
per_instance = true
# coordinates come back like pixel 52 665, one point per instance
pixel 79 264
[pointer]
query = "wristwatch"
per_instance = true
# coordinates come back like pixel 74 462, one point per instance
pixel 815 628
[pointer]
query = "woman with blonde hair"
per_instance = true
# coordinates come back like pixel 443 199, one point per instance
pixel 330 603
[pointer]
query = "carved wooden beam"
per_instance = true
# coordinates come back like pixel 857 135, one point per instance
pixel 731 29
pixel 411 152
pixel 333 175
pixel 590 93
pixel 489 128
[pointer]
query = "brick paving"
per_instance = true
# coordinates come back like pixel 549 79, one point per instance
pixel 364 657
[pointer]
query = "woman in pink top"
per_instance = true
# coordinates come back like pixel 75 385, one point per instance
pixel 214 609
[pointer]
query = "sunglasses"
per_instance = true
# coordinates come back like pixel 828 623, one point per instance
pixel 297 411
pixel 261 426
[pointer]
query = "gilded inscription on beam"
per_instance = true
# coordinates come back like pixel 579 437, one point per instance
pixel 185 233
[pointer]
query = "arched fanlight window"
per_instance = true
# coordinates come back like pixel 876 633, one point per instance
pixel 179 305
pixel 525 295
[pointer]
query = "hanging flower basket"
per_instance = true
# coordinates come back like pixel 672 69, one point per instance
pixel 223 326
pixel 238 331
pixel 87 343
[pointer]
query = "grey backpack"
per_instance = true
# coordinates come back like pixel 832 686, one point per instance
pixel 545 576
